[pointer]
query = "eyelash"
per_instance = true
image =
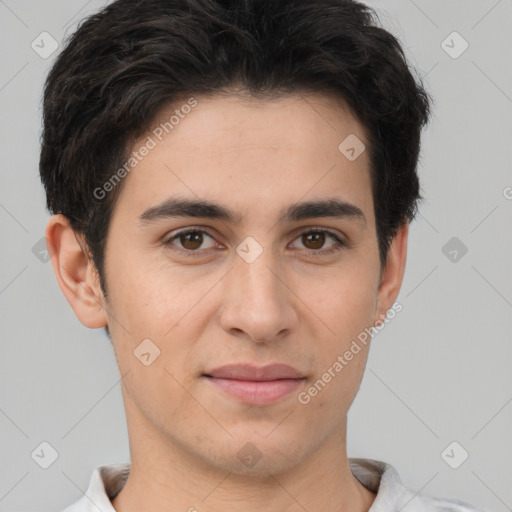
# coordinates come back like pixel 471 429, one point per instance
pixel 198 253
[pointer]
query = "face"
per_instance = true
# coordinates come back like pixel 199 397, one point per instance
pixel 252 287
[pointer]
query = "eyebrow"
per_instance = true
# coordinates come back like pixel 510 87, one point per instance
pixel 180 207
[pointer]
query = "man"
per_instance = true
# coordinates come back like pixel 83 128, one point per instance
pixel 232 184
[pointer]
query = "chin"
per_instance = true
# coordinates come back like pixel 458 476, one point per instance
pixel 258 455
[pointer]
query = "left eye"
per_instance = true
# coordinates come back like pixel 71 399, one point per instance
pixel 317 239
pixel 313 240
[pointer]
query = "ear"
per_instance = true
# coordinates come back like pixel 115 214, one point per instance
pixel 75 272
pixel 392 273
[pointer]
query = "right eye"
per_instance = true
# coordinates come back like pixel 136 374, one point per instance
pixel 190 239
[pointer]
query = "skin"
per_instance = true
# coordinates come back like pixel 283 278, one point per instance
pixel 291 305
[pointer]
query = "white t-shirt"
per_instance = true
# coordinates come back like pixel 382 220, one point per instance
pixel 379 477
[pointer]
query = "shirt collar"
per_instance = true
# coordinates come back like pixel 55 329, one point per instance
pixel 379 477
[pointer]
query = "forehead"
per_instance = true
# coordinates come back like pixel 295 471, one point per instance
pixel 231 117
pixel 242 151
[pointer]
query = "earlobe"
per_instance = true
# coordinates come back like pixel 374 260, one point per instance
pixel 75 273
pixel 393 272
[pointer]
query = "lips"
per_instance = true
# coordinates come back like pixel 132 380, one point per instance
pixel 256 385
pixel 254 373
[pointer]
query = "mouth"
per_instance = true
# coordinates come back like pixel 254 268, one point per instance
pixel 252 392
pixel 256 385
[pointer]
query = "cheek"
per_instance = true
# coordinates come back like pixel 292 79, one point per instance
pixel 338 385
pixel 341 356
pixel 345 305
pixel 150 301
pixel 345 301
pixel 163 306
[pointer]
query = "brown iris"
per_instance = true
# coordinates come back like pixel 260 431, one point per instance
pixel 194 240
pixel 318 240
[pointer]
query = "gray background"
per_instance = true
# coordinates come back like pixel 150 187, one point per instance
pixel 438 373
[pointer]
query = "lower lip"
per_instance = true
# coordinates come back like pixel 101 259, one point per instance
pixel 257 392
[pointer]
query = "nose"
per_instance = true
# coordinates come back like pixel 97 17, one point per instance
pixel 258 303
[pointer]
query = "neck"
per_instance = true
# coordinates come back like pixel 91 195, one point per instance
pixel 165 476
